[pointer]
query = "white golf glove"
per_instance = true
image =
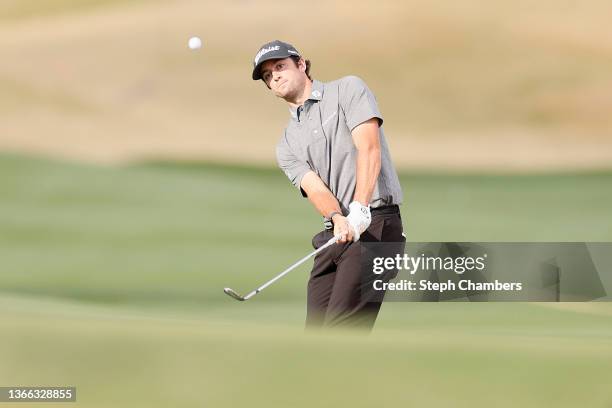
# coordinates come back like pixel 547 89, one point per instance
pixel 359 218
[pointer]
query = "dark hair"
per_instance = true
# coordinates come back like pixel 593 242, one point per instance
pixel 296 59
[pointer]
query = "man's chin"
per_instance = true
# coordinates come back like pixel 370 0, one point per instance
pixel 283 92
pixel 284 95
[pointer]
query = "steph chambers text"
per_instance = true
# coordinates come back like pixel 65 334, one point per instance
pixel 464 284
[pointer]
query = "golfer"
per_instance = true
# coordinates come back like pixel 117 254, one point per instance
pixel 334 151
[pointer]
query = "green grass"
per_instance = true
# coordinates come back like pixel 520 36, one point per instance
pixel 449 354
pixel 111 281
pixel 154 232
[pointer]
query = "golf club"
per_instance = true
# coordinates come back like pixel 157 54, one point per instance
pixel 235 295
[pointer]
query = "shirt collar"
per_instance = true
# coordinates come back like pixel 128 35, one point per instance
pixel 316 94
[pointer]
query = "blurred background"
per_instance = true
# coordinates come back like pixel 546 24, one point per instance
pixel 138 178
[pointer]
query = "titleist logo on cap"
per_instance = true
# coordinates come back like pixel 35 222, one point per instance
pixel 264 51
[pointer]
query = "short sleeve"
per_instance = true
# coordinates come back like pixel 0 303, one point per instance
pixel 358 102
pixel 293 168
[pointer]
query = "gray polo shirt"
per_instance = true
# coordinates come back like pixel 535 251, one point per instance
pixel 318 138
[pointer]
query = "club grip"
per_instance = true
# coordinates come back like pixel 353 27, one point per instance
pixel 333 240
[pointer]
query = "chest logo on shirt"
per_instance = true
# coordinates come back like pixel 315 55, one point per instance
pixel 328 119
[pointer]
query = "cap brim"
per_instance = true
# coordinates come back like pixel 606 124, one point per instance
pixel 257 70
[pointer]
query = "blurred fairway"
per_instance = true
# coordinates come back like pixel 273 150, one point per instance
pixel 111 280
pixel 454 354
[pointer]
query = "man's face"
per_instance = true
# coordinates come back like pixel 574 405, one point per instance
pixel 284 78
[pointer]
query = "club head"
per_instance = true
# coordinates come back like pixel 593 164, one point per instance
pixel 233 293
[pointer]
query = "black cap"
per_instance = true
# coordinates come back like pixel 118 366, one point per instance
pixel 272 50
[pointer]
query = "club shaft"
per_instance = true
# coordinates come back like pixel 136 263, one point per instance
pixel 292 267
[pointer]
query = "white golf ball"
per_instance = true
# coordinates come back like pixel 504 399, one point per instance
pixel 194 43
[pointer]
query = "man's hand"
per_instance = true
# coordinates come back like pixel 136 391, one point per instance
pixel 342 228
pixel 359 219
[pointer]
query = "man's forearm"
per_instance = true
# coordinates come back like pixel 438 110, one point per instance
pixel 368 168
pixel 319 195
pixel 366 139
pixel 327 204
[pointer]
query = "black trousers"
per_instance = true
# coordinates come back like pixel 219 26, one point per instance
pixel 340 290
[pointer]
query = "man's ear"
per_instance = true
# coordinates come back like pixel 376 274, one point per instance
pixel 302 65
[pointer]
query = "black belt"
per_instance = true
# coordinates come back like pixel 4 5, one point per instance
pixel 383 210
